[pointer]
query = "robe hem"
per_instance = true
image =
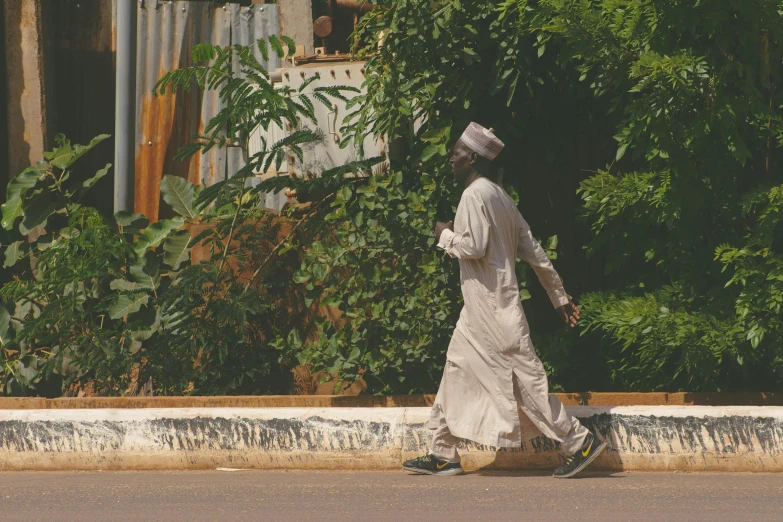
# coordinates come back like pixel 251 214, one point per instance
pixel 493 440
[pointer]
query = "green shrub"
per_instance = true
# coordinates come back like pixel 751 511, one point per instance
pixel 112 303
pixel 679 280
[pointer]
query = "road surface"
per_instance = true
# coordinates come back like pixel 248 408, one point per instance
pixel 379 496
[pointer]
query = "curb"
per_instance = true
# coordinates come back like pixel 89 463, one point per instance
pixel 372 401
pixel 693 438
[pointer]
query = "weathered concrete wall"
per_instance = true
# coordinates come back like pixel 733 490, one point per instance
pixel 27 54
pixel 650 437
pixel 58 77
pixel 295 18
pixel 3 105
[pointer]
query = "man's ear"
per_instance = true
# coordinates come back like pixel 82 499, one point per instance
pixel 473 157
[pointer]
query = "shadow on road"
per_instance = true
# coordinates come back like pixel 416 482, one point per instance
pixel 544 473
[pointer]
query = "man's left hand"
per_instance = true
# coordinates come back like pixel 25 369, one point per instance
pixel 441 226
pixel 569 313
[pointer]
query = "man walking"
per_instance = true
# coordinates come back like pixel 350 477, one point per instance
pixel 494 389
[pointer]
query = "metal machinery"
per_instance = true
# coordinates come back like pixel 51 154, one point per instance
pixel 335 21
pixel 332 65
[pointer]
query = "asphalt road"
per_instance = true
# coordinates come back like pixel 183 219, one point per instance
pixel 376 496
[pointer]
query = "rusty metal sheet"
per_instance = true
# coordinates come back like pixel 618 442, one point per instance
pixel 248 25
pixel 167 31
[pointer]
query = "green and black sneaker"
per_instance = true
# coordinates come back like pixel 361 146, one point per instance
pixel 575 463
pixel 429 464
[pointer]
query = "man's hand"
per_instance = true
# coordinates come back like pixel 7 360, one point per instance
pixel 569 313
pixel 441 226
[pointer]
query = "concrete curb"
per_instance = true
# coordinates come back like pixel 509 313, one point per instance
pixel 695 438
pixel 398 401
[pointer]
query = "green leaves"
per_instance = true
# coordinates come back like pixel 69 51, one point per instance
pixel 128 303
pixel 433 149
pixel 156 233
pixel 180 194
pixel 90 182
pixel 690 121
pixel 40 191
pixel 66 155
pixel 176 249
pixel 5 327
pixel 688 268
pixel 276 154
pixel 146 272
pixel 14 252
pixel 375 268
pixel 36 214
pixel 436 137
pixel 277 46
pixel 123 285
pixel 551 247
pixel 250 104
pixel 15 193
pixel 29 373
pixel 136 222
pixel 90 296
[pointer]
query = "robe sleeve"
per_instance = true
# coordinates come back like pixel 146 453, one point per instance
pixel 470 243
pixel 530 251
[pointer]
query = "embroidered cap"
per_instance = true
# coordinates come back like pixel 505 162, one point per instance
pixel 482 141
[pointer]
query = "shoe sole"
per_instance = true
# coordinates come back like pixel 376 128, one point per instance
pixel 448 472
pixel 586 463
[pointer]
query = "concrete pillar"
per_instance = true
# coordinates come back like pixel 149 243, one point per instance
pixel 28 129
pixel 295 18
pixel 3 107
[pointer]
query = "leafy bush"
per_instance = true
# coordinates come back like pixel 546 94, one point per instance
pixel 663 117
pixel 680 284
pixel 395 294
pixel 398 295
pixel 686 219
pixel 112 303
pixel 91 299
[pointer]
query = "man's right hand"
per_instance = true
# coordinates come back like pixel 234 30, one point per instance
pixel 441 226
pixel 569 313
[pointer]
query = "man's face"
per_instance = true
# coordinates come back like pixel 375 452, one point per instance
pixel 461 161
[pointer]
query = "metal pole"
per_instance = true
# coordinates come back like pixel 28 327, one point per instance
pixel 125 107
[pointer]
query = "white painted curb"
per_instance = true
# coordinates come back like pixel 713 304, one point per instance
pixel 694 438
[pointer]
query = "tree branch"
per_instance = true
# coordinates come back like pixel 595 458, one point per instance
pixel 283 242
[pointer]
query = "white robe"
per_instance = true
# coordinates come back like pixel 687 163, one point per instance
pixel 494 389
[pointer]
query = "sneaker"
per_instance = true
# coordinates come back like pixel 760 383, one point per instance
pixel 429 464
pixel 582 458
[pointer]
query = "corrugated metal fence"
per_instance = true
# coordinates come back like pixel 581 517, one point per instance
pixel 167 31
